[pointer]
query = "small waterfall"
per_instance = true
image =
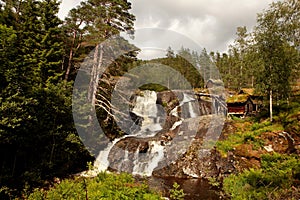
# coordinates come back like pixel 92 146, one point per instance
pixel 102 162
pixel 123 164
pixel 192 112
pixel 146 108
pixel 144 164
pixel 186 98
pixel 176 124
pixel 174 112
pixel 189 106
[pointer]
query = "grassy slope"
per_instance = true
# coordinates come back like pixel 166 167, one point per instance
pixel 273 174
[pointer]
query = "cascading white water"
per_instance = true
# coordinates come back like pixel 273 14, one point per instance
pixel 188 100
pixel 102 162
pixel 145 164
pixel 192 112
pixel 146 108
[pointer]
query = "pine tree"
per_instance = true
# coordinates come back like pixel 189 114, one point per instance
pixel 104 19
pixel 35 115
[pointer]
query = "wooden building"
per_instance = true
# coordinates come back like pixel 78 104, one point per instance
pixel 243 103
pixel 211 83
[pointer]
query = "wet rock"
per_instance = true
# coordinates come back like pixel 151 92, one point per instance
pixel 168 100
pixel 197 161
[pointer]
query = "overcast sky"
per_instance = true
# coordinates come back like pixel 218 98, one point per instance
pixel 210 23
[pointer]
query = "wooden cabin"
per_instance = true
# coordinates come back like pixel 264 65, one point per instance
pixel 211 83
pixel 256 99
pixel 243 103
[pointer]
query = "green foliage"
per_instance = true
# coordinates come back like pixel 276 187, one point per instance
pixel 288 116
pixel 267 58
pixel 153 87
pixel 185 63
pixel 276 176
pixel 176 193
pixel 104 186
pixel 247 133
pixel 37 135
pixel 213 181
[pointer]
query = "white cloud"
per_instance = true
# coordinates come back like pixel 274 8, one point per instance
pixel 212 24
pixel 67 5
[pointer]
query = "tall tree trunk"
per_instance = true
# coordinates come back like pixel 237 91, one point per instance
pixel 70 57
pixel 241 74
pixel 93 85
pixel 271 105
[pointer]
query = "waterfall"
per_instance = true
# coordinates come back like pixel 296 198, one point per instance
pixel 186 98
pixel 144 164
pixel 135 161
pixel 188 105
pixel 191 110
pixel 146 108
pixel 102 162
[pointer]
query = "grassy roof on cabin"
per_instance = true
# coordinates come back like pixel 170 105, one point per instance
pixel 249 91
pixel 239 98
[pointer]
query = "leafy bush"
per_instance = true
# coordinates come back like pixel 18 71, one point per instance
pixel 104 186
pixel 213 181
pixel 176 193
pixel 276 176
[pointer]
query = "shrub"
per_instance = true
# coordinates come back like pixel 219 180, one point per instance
pixel 104 186
pixel 176 193
pixel 275 178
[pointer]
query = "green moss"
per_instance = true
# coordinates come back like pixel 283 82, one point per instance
pixel 240 98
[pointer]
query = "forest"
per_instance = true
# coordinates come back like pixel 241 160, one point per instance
pixel 40 58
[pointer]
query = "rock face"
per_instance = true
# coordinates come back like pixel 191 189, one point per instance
pixel 179 146
pixel 200 160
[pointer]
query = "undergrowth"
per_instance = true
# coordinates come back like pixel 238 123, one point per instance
pixel 278 176
pixel 247 132
pixel 104 186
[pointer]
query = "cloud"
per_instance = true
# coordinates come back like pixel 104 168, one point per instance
pixel 67 5
pixel 212 24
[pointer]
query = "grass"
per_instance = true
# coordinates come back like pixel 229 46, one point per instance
pixel 279 174
pixel 275 180
pixel 247 132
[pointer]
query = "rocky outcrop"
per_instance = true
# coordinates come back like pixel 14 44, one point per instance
pixel 200 160
pixel 187 150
